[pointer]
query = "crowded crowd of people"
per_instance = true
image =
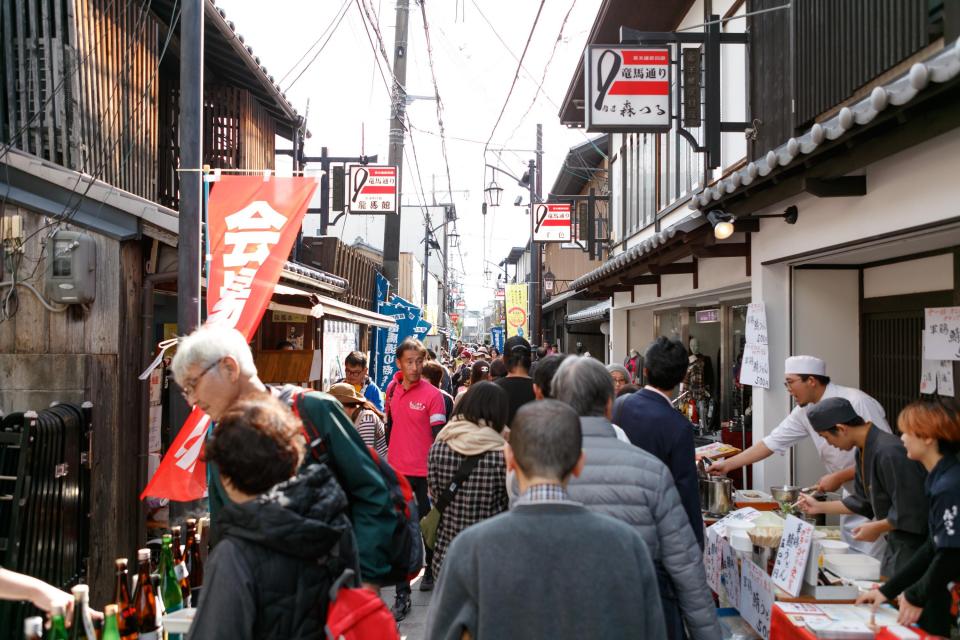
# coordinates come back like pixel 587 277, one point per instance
pixel 557 493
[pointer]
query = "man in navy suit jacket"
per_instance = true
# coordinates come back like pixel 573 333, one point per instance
pixel 653 424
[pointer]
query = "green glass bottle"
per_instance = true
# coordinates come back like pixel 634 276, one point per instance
pixel 111 630
pixel 169 581
pixel 58 626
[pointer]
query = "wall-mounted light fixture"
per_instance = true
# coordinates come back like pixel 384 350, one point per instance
pixel 722 223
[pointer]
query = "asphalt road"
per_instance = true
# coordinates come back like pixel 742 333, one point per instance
pixel 413 627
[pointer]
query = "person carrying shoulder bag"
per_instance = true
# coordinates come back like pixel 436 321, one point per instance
pixel 467 463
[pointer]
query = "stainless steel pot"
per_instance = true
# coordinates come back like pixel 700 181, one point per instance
pixel 716 495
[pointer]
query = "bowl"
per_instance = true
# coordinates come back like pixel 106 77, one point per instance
pixel 766 536
pixel 785 494
pixel 833 546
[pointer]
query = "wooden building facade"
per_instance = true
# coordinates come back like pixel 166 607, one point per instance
pixel 89 93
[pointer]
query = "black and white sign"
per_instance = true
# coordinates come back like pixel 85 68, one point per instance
pixel 372 189
pixel 627 88
pixel 552 222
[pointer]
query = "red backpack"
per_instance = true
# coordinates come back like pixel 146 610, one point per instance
pixel 358 614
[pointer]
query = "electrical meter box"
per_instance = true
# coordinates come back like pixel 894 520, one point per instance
pixel 71 269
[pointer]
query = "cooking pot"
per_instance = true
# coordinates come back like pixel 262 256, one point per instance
pixel 716 495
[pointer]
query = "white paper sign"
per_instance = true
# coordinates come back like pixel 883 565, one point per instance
pixel 729 572
pixel 712 559
pixel 945 378
pixel 936 376
pixel 756 323
pixel 792 555
pixel 154 441
pixel 756 598
pixel 746 514
pixel 755 369
pixel 316 365
pixel 941 333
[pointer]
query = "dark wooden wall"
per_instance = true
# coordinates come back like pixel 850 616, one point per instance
pixel 87 355
pixel 771 86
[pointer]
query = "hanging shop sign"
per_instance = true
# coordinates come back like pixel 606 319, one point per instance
pixel 627 88
pixel 252 225
pixel 516 310
pixel 454 318
pixel 552 222
pixel 500 294
pixel 705 316
pixel 372 189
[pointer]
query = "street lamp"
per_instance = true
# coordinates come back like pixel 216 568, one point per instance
pixel 548 281
pixel 492 194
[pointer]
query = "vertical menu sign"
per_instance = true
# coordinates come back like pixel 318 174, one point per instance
pixel 552 222
pixel 627 88
pixel 372 189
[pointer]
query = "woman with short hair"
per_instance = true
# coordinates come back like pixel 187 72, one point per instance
pixel 475 430
pixel 479 371
pixel 284 537
pixel 930 431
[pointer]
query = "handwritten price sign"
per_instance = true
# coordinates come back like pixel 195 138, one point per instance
pixel 756 366
pixel 756 324
pixel 792 555
pixel 756 598
pixel 941 333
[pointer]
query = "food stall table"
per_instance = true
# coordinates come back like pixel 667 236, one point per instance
pixel 782 628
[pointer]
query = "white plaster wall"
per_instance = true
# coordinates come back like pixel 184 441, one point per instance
pixel 771 284
pixel 826 324
pixel 641 330
pixel 934 273
pixel 903 191
pixel 906 190
pixel 618 334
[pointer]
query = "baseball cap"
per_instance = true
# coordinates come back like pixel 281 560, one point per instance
pixel 830 412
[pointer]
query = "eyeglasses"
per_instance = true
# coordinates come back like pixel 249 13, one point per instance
pixel 789 383
pixel 355 372
pixel 188 388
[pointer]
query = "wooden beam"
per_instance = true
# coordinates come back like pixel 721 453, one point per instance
pixel 841 187
pixel 643 280
pixel 726 250
pixel 748 225
pixel 674 268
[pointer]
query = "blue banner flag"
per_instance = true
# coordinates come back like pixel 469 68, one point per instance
pixel 496 337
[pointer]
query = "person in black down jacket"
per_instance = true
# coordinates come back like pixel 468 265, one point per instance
pixel 269 575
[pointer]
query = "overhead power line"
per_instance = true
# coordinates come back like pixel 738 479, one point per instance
pixel 436 92
pixel 517 73
pixel 328 33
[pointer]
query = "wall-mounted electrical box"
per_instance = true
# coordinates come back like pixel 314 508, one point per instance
pixel 71 269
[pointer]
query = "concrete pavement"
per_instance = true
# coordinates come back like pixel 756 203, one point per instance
pixel 413 627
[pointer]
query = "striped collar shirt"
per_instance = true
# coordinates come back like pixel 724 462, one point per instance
pixel 541 493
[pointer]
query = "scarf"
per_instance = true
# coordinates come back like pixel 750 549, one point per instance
pixel 470 439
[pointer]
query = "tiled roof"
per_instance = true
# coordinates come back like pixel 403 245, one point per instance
pixel 592 313
pixel 941 67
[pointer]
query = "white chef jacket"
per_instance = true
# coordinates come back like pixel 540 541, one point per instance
pixel 796 426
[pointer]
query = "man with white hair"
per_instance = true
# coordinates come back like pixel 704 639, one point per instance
pixel 634 486
pixel 214 368
pixel 805 378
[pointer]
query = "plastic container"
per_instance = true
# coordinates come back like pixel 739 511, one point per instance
pixel 853 566
pixel 834 546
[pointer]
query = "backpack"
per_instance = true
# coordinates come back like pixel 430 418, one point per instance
pixel 358 614
pixel 406 549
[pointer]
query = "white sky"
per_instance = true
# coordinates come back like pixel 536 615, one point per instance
pixel 348 103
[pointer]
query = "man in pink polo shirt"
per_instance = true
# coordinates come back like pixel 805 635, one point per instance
pixel 415 411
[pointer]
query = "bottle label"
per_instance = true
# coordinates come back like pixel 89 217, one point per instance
pixel 181 570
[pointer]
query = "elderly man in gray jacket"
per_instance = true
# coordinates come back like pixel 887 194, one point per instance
pixel 628 483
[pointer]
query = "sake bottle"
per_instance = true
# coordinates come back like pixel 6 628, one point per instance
pixel 183 572
pixel 145 600
pixel 82 627
pixel 33 628
pixel 111 627
pixel 191 554
pixel 169 581
pixel 126 614
pixel 58 626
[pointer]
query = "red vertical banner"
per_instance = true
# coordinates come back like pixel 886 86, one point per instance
pixel 252 224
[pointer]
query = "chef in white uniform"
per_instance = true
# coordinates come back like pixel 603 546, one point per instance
pixel 806 379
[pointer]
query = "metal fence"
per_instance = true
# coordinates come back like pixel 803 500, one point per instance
pixel 44 500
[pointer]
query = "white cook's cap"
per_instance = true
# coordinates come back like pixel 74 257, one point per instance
pixel 805 366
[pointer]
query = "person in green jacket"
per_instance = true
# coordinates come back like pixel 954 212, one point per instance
pixel 214 367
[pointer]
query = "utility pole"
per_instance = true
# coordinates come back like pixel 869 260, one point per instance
pixel 391 228
pixel 536 170
pixel 191 191
pixel 426 260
